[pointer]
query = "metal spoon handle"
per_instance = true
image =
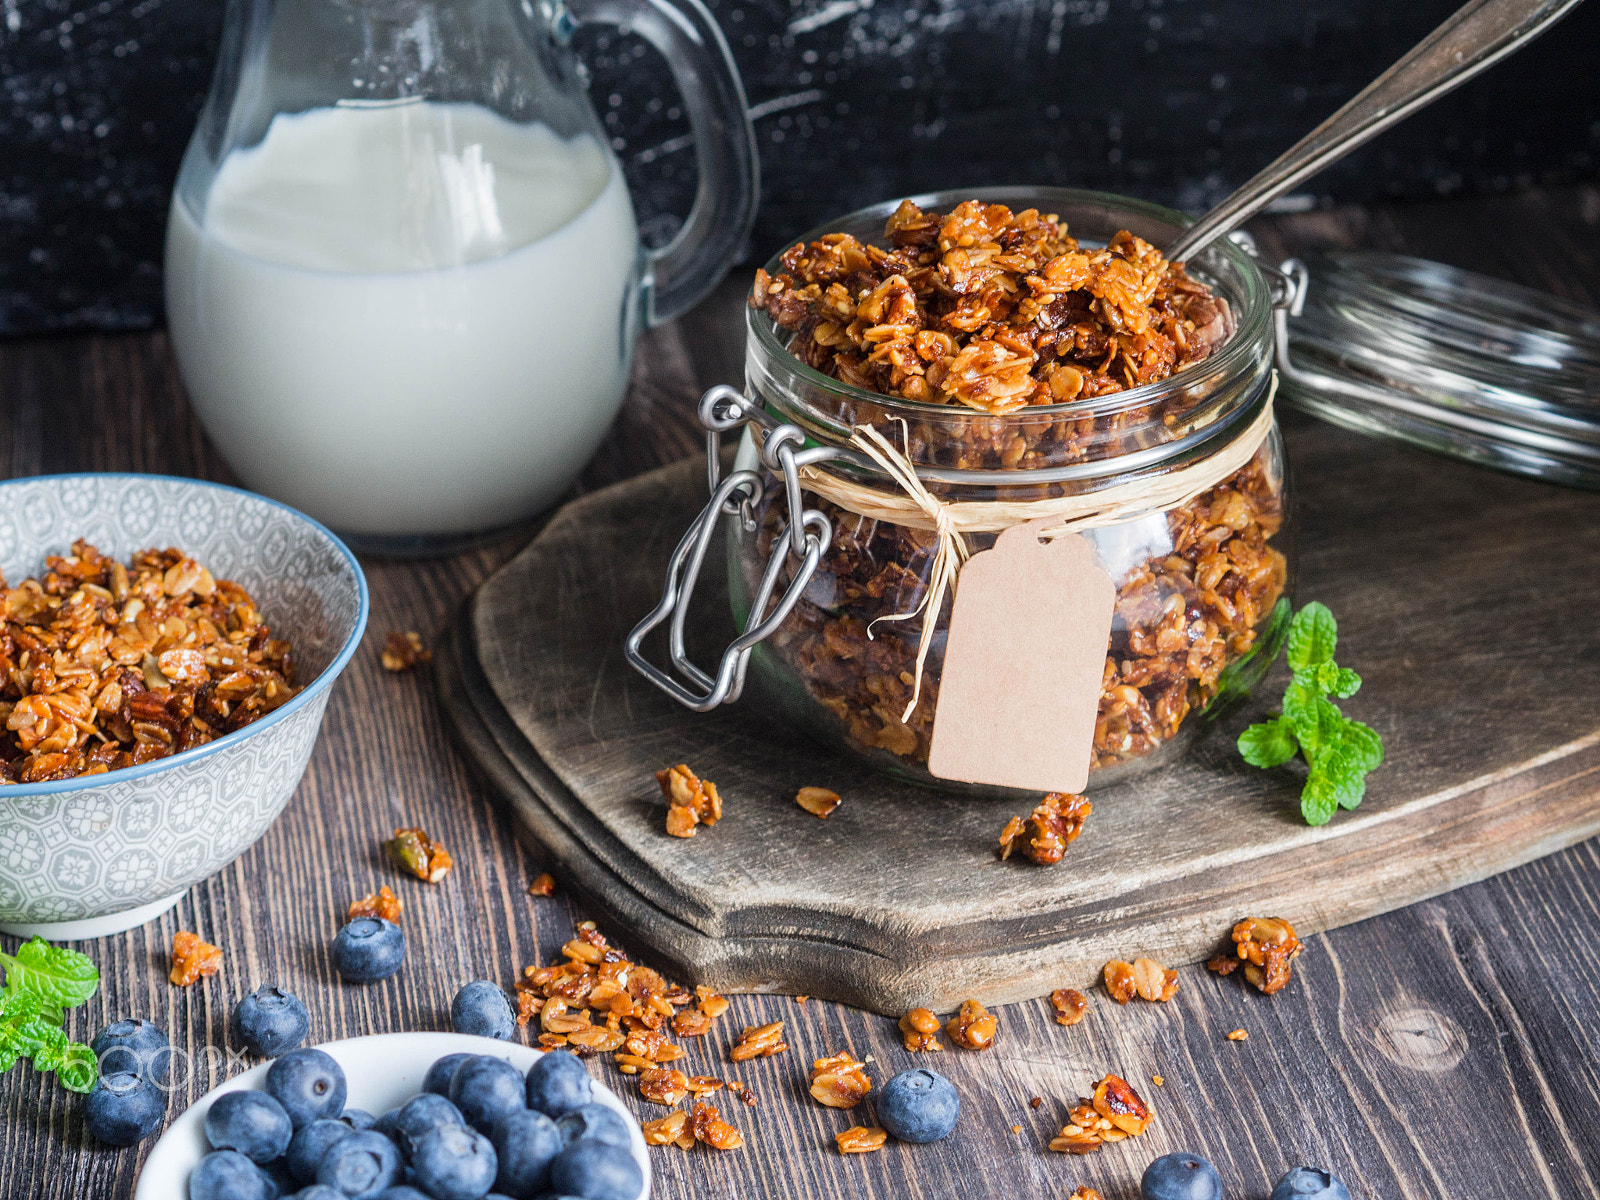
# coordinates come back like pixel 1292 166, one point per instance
pixel 1477 36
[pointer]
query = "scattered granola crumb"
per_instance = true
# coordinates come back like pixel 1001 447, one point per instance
pixel 921 1030
pixel 839 1081
pixel 759 1041
pixel 819 802
pixel 1016 1129
pixel 1036 1103
pixel 402 651
pixel 1070 1005
pixel 663 1085
pixel 1265 946
pixel 1153 981
pixel 669 1129
pixel 1056 824
pixel 801 999
pixel 413 851
pixel 1238 1035
pixel 691 800
pixel 1085 1193
pixel 972 1028
pixel 744 1093
pixel 1158 1081
pixel 192 958
pixel 860 1140
pixel 543 885
pixel 382 903
pixel 1114 1112
pixel 1119 981
pixel 1144 977
pixel 710 1129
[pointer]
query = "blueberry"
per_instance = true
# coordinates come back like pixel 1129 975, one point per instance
pixel 321 1191
pixel 281 1182
pixel 253 1123
pixel 124 1108
pixel 438 1078
pixel 481 1008
pixel 1180 1177
pixel 401 1191
pixel 137 1047
pixel 485 1090
pixel 310 1143
pixel 526 1143
pixel 1310 1183
pixel 420 1116
pixel 361 1165
pixel 369 949
pixel 228 1175
pixel 309 1084
pixel 358 1119
pixel 919 1106
pixel 269 1021
pixel 596 1171
pixel 557 1084
pixel 385 1125
pixel 455 1163
pixel 595 1121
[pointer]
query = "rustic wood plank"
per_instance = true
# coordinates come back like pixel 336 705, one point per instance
pixel 1354 1065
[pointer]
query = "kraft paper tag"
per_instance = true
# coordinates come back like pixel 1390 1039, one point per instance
pixel 1023 663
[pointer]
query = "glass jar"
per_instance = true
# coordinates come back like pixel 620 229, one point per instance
pixel 1203 582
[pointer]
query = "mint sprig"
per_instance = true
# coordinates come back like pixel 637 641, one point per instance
pixel 1340 752
pixel 42 982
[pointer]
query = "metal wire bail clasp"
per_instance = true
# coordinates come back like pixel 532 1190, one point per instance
pixel 722 410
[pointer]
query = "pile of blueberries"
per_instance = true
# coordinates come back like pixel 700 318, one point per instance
pixel 479 1128
pixel 1190 1177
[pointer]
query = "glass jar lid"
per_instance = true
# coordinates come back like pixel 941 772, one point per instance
pixel 1489 372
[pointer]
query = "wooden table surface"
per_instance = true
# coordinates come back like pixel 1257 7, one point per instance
pixel 1451 1049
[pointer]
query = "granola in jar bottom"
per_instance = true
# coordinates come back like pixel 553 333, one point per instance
pixel 1201 608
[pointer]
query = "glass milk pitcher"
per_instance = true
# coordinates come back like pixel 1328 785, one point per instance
pixel 403 277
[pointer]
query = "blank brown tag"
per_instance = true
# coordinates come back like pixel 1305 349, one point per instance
pixel 1023 663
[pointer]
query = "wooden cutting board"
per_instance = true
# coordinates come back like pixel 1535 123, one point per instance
pixel 1469 601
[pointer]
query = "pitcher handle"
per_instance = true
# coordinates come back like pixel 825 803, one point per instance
pixel 679 275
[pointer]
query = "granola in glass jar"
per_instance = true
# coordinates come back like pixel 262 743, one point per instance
pixel 1010 361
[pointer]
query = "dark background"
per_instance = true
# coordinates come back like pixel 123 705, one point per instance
pixel 1173 100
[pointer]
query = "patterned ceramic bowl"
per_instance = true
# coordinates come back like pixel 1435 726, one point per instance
pixel 95 855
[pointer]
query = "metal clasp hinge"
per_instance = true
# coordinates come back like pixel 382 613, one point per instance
pixel 722 410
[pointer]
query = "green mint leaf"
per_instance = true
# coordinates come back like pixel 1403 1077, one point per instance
pixel 1338 751
pixel 1300 701
pixel 49 1045
pixel 1346 683
pixel 41 982
pixel 1268 744
pixel 1312 636
pixel 1320 798
pixel 78 1070
pixel 62 977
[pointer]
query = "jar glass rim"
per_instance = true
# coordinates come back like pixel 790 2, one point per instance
pixel 1252 304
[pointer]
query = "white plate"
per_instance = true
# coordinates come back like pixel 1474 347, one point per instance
pixel 382 1072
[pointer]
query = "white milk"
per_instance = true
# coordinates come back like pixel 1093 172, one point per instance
pixel 407 320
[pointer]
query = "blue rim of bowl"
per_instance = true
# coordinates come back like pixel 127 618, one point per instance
pixel 321 683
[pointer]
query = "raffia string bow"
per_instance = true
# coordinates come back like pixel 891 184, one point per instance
pixel 947 558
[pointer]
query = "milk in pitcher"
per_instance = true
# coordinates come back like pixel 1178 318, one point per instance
pixel 381 302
